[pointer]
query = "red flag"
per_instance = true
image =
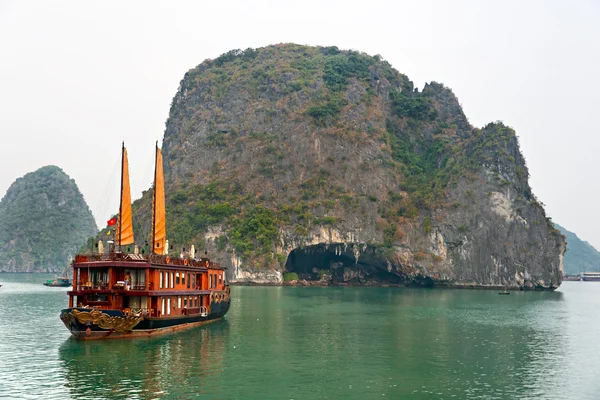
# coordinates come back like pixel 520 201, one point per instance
pixel 111 221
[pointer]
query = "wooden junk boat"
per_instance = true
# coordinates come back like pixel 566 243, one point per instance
pixel 124 294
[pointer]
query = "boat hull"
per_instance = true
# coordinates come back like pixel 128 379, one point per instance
pixel 90 324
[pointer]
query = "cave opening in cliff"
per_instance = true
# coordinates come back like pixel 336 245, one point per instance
pixel 339 264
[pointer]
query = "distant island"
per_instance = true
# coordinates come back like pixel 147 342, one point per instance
pixel 581 256
pixel 314 163
pixel 44 220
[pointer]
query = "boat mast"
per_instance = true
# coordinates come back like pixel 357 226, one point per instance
pixel 120 220
pixel 154 203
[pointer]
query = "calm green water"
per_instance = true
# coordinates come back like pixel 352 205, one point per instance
pixel 313 343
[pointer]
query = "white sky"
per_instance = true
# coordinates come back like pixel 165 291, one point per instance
pixel 77 78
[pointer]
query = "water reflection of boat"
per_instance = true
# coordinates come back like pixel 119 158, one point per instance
pixel 124 294
pixel 159 368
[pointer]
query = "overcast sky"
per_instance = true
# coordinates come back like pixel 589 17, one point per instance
pixel 77 78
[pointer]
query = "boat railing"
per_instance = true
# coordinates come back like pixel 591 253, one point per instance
pixel 124 285
pixel 119 285
pixel 153 258
pixel 100 286
pixel 89 285
pixel 82 258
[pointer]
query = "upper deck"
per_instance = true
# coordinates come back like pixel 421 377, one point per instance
pixel 118 259
pixel 115 272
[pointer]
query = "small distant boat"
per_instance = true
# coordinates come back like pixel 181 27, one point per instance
pixel 590 276
pixel 57 282
pixel 504 293
pixel 60 281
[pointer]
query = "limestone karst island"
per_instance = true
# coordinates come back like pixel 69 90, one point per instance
pixel 292 162
pixel 44 221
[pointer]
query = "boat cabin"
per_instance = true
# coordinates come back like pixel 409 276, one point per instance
pixel 153 286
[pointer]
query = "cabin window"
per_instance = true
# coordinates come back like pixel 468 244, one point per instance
pixel 210 281
pixel 166 279
pixel 163 305
pixel 135 302
pixel 195 302
pixel 160 281
pixel 178 302
pixel 183 279
pixel 169 305
pixel 184 303
pixel 177 278
pixel 172 281
pixel 96 298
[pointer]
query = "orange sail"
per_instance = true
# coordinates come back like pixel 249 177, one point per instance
pixel 159 222
pixel 124 222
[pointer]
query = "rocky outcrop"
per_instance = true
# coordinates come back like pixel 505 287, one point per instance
pixel 44 220
pixel 330 163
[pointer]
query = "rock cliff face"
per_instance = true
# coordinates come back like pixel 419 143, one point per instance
pixel 44 220
pixel 331 165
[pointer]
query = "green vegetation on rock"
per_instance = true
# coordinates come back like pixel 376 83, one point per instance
pixel 44 220
pixel 290 276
